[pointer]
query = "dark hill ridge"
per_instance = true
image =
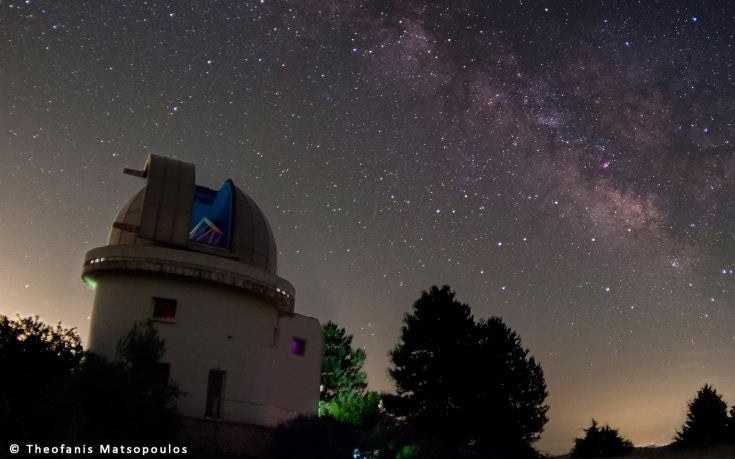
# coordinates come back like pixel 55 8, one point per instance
pixel 667 452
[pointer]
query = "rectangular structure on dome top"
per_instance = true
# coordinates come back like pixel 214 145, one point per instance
pixel 167 201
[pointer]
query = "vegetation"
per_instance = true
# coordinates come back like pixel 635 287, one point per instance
pixel 349 411
pixel 341 363
pixel 309 437
pixel 343 395
pixel 707 422
pixel 50 390
pixel 356 410
pixel 37 363
pixel 469 383
pixel 466 388
pixel 131 399
pixel 601 442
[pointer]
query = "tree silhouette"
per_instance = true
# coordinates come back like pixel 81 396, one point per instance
pixel 706 422
pixel 51 391
pixel 509 383
pixel 341 363
pixel 430 365
pixel 37 362
pixel 131 399
pixel 601 442
pixel 468 383
pixel 140 351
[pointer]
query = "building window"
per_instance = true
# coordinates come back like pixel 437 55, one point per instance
pixel 298 346
pixel 164 309
pixel 215 394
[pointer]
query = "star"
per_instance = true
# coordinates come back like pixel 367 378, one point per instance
pixel 395 148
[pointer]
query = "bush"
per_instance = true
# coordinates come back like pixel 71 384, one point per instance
pixel 356 410
pixel 601 442
pixel 313 437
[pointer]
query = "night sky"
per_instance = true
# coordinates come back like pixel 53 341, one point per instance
pixel 568 166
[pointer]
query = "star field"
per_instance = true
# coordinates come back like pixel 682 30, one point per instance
pixel 564 165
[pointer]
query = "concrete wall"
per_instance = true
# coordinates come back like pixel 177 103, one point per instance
pixel 219 328
pixel 206 438
pixel 295 382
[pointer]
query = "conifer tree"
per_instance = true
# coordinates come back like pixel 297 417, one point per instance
pixel 470 384
pixel 344 397
pixel 706 422
pixel 341 363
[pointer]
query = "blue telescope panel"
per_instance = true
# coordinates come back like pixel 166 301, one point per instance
pixel 211 216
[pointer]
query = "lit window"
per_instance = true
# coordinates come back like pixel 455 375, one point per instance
pixel 164 309
pixel 298 346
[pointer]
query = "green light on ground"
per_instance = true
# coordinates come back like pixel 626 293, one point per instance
pixel 91 283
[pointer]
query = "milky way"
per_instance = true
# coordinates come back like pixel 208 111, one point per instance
pixel 568 166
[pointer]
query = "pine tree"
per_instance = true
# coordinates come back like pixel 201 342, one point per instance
pixel 706 422
pixel 430 365
pixel 341 364
pixel 344 397
pixel 470 384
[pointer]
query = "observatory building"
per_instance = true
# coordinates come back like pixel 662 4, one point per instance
pixel 200 265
